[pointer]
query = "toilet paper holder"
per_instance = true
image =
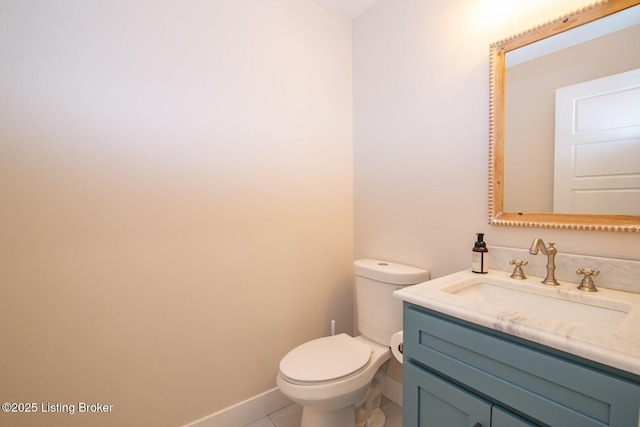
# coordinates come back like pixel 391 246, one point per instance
pixel 397 346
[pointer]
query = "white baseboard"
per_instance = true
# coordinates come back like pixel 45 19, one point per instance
pixel 393 391
pixel 268 402
pixel 245 412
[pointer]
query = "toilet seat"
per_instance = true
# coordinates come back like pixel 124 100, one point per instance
pixel 325 359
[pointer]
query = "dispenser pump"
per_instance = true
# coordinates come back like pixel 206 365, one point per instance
pixel 479 255
pixel 480 243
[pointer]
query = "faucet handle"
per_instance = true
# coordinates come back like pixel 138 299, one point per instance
pixel 587 284
pixel 517 271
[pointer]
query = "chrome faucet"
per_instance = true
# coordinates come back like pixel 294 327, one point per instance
pixel 550 252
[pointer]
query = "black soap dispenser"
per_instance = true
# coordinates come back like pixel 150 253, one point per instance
pixel 479 255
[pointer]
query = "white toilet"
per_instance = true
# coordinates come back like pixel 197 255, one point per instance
pixel 338 380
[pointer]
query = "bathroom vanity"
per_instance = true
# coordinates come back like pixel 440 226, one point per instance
pixel 475 355
pixel 459 374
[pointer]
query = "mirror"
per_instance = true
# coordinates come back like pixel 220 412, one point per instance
pixel 536 78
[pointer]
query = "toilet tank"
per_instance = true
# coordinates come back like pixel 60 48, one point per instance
pixel 379 314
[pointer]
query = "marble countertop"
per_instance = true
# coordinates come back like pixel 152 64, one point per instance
pixel 618 347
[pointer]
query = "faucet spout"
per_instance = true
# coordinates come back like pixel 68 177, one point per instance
pixel 550 252
pixel 538 244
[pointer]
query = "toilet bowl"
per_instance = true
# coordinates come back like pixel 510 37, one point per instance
pixel 338 380
pixel 330 393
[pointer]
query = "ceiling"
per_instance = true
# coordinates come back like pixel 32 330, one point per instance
pixel 348 8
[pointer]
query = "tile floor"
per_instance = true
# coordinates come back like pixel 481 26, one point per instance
pixel 290 417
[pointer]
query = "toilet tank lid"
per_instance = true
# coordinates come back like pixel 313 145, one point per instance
pixel 389 272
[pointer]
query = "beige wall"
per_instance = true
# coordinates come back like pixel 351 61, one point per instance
pixel 176 186
pixel 421 133
pixel 175 201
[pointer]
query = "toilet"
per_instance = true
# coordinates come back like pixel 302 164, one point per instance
pixel 338 380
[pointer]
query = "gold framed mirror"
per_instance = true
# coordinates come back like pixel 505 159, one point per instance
pixel 504 142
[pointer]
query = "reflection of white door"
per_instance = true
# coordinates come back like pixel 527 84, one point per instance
pixel 597 151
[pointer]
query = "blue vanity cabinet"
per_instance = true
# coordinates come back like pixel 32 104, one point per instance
pixel 439 402
pixel 444 404
pixel 457 374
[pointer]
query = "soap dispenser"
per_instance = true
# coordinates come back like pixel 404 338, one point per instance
pixel 479 255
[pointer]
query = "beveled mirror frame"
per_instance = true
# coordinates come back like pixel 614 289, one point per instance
pixel 498 51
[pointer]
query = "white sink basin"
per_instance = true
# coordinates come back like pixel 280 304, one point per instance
pixel 553 305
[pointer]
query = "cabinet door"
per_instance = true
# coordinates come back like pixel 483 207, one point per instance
pixel 431 401
pixel 502 418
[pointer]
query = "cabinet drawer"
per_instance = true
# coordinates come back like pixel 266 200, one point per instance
pixel 553 390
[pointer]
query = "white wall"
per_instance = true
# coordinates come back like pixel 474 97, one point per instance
pixel 421 94
pixel 175 201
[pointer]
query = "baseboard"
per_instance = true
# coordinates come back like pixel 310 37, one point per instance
pixel 245 412
pixel 393 391
pixel 268 402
